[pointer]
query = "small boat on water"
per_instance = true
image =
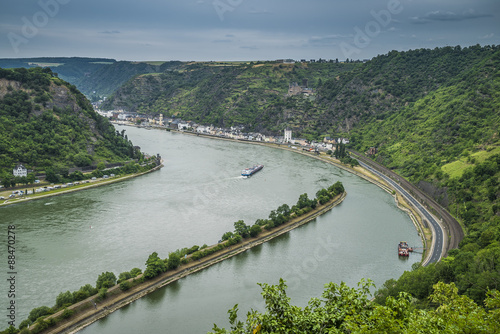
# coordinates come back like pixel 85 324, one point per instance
pixel 404 249
pixel 250 171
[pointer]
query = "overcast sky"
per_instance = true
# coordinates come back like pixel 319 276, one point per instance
pixel 241 29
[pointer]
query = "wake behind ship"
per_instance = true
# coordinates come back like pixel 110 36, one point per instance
pixel 250 171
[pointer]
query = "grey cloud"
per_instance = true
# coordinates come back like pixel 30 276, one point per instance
pixel 259 11
pixel 487 36
pixel 326 40
pixel 254 29
pixel 222 41
pixel 447 16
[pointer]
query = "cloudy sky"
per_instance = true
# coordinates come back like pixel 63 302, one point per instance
pixel 241 29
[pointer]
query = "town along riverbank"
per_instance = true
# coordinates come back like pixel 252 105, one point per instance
pixel 87 311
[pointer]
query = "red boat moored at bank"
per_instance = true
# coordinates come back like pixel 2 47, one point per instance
pixel 404 249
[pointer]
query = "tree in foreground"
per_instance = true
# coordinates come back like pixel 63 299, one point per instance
pixel 154 266
pixel 348 310
pixel 105 280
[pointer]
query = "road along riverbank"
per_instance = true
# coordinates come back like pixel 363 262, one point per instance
pixel 435 216
pixel 90 185
pixel 86 312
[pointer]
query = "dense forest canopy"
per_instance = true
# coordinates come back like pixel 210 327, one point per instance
pixel 46 122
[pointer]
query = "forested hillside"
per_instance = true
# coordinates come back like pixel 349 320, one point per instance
pixel 448 143
pixel 46 122
pixel 94 77
pixel 107 79
pixel 73 70
pixel 255 95
pixel 227 94
pixel 388 82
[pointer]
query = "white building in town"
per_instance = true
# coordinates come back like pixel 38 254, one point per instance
pixel 20 171
pixel 288 136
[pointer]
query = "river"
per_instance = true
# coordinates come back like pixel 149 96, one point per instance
pixel 67 241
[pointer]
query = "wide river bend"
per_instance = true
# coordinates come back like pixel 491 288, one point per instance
pixel 65 242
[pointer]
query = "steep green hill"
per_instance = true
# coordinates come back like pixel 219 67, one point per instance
pixel 95 77
pixel 107 79
pixel 448 143
pixel 453 121
pixel 227 94
pixel 389 82
pixel 73 70
pixel 46 122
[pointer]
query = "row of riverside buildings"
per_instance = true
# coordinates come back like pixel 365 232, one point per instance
pixel 234 132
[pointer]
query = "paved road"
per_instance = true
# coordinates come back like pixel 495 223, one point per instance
pixel 438 235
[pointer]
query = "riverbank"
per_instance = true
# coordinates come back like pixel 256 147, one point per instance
pixel 86 313
pixel 63 191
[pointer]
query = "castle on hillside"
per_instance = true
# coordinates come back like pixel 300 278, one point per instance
pixel 295 89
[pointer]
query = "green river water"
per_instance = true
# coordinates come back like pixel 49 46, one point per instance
pixel 65 242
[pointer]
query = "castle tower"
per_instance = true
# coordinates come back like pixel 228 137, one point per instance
pixel 161 119
pixel 288 135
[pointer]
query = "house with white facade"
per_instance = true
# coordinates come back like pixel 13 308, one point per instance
pixel 183 126
pixel 20 171
pixel 203 129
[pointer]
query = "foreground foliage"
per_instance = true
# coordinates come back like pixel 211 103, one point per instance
pixel 343 309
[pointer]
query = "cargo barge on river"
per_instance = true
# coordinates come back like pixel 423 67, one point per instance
pixel 250 171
